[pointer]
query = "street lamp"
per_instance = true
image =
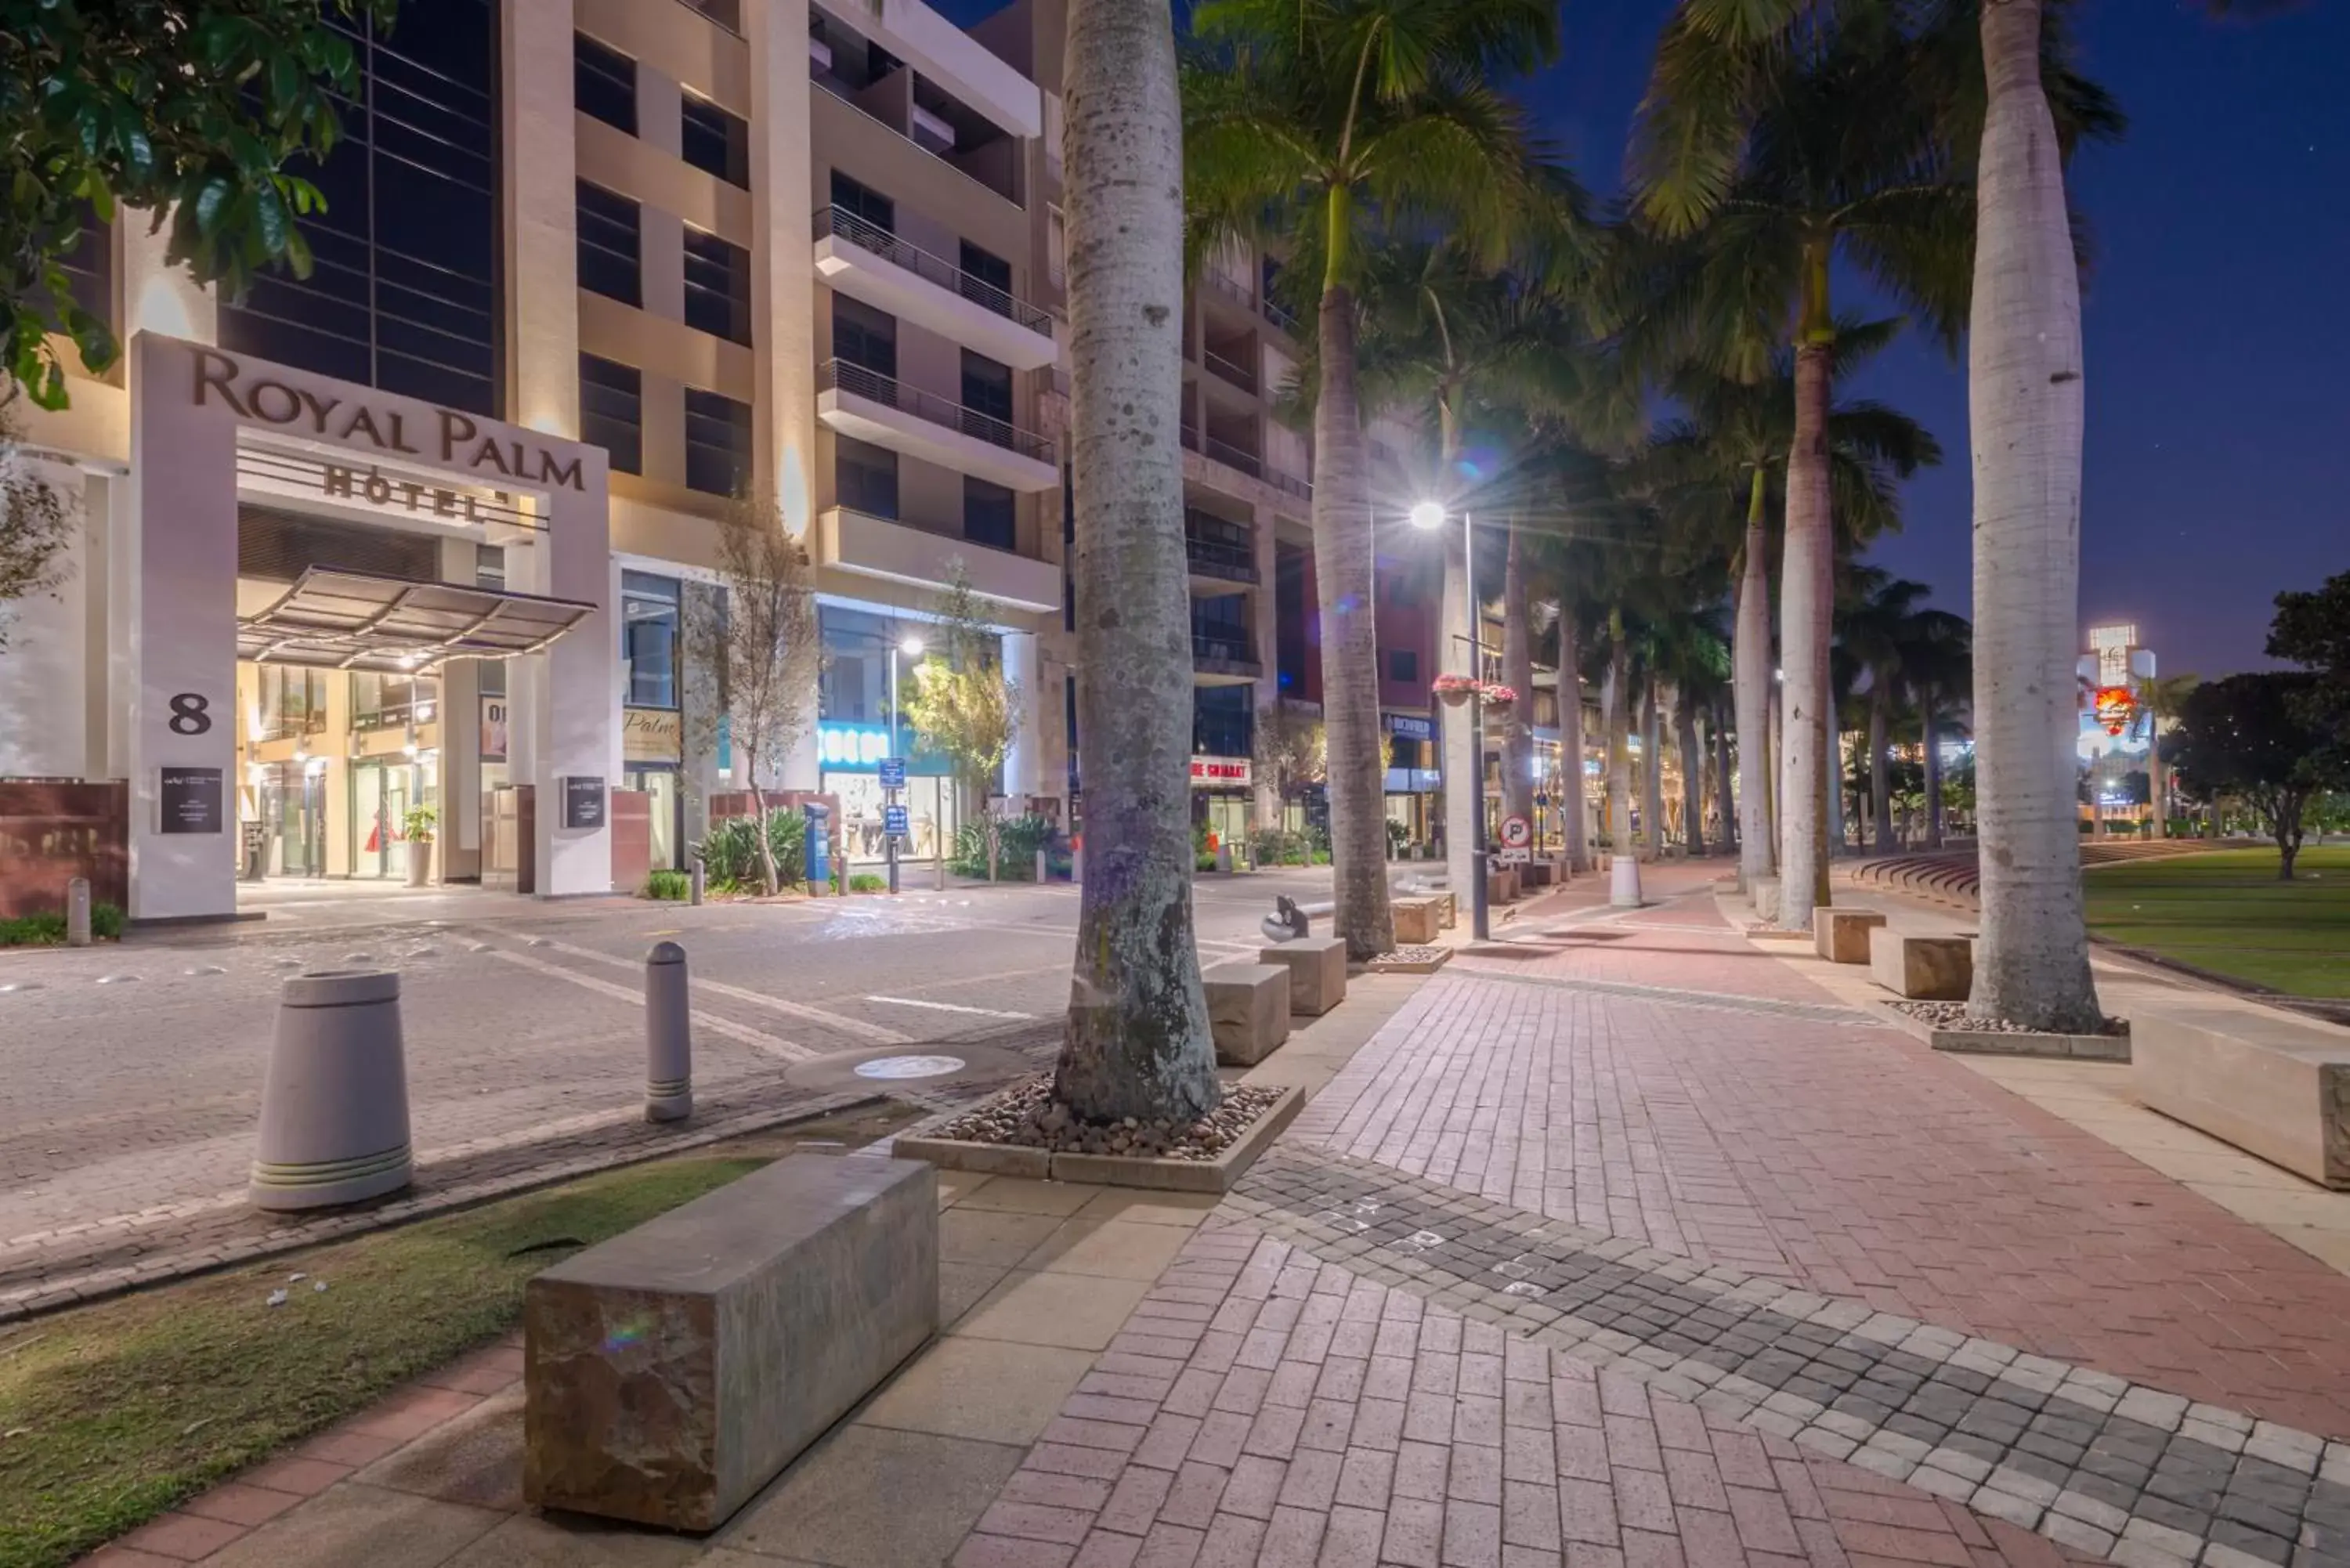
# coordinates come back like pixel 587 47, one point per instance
pixel 911 645
pixel 1429 515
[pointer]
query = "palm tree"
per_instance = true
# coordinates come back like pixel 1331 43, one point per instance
pixel 1876 624
pixel 1939 665
pixel 1318 129
pixel 1137 1042
pixel 1775 158
pixel 2164 698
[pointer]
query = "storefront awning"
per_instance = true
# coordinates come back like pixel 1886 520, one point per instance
pixel 356 620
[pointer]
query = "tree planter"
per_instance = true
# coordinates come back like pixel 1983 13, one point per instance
pixel 420 863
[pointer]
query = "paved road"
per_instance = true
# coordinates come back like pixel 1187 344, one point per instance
pixel 131 1076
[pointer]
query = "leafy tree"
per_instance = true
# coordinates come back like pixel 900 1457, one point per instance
pixel 1137 1042
pixel 762 642
pixel 2248 736
pixel 1290 749
pixel 189 109
pixel 34 525
pixel 965 706
pixel 2313 629
pixel 1322 129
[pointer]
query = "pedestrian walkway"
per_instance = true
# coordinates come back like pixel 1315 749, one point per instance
pixel 1623 1241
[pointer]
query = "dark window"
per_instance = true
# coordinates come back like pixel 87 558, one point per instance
pixel 716 141
pixel 610 247
pixel 863 203
pixel 864 477
pixel 988 515
pixel 717 286
pixel 90 266
pixel 717 443
pixel 612 410
pixel 864 336
pixel 1221 721
pixel 986 387
pixel 986 279
pixel 649 623
pixel 727 14
pixel 405 291
pixel 490 572
pixel 1403 664
pixel 603 83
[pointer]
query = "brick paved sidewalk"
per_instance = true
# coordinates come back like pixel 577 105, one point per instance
pixel 1619 1244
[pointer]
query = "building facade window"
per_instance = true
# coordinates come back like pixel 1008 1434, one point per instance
pixel 986 398
pixel 863 203
pixel 649 638
pixel 717 286
pixel 89 267
pixel 405 293
pixel 717 443
pixel 387 701
pixel 610 245
pixel 864 337
pixel 293 702
pixel 490 572
pixel 864 477
pixel 714 142
pixel 989 514
pixel 1223 721
pixel 1403 664
pixel 603 83
pixel 612 410
pixel 986 279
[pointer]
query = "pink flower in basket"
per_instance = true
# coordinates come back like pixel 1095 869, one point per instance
pixel 1454 688
pixel 1500 696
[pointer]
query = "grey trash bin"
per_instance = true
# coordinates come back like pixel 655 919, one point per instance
pixel 334 1107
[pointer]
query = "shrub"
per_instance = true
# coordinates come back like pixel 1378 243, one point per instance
pixel 1018 841
pixel 730 854
pixel 867 882
pixel 47 929
pixel 1279 847
pixel 1202 861
pixel 667 885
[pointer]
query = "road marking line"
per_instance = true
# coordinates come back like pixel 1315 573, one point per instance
pixel 949 1007
pixel 757 1039
pixel 879 1033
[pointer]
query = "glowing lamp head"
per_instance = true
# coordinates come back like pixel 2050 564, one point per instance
pixel 1428 514
pixel 911 647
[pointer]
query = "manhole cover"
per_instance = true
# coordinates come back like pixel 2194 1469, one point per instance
pixel 910 1066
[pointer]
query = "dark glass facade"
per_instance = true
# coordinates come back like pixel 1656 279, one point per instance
pixel 406 292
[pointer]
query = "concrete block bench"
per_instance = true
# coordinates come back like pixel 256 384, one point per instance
pixel 1921 968
pixel 1841 936
pixel 1317 971
pixel 2275 1086
pixel 1417 920
pixel 669 1373
pixel 1765 897
pixel 1248 1011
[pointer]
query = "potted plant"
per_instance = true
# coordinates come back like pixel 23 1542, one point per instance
pixel 417 827
pixel 1453 690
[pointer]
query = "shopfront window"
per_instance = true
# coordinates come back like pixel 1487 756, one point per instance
pixel 388 702
pixel 293 702
pixel 649 638
pixel 855 686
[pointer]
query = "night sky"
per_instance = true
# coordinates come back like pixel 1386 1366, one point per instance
pixel 2217 317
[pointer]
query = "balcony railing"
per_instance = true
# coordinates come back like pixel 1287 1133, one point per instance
pixel 1227 287
pixel 1281 318
pixel 1231 456
pixel 1238 375
pixel 846 92
pixel 1218 549
pixel 838 223
pixel 874 386
pixel 1213 647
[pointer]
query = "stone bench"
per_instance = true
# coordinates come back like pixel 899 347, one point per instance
pixel 2275 1086
pixel 1841 936
pixel 1501 886
pixel 1248 1010
pixel 1317 971
pixel 671 1372
pixel 1417 920
pixel 1764 896
pixel 1921 968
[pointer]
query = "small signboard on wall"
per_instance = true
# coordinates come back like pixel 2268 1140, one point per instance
pixel 583 801
pixel 192 799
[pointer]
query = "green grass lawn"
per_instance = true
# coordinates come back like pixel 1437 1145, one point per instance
pixel 113 1413
pixel 2227 913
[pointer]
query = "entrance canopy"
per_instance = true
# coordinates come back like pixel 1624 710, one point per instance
pixel 356 620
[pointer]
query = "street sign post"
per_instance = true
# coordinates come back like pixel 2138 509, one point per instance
pixel 893 774
pixel 893 821
pixel 1516 833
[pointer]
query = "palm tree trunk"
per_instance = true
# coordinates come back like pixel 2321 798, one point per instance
pixel 1570 742
pixel 1880 771
pixel 1623 864
pixel 1518 674
pixel 1692 757
pixel 1350 686
pixel 2025 409
pixel 1652 769
pixel 1933 772
pixel 1137 1042
pixel 1751 697
pixel 1725 793
pixel 2156 794
pixel 1806 603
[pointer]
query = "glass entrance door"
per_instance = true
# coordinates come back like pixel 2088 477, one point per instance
pixel 293 812
pixel 379 820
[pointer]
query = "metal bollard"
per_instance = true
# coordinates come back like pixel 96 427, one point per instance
pixel 1044 870
pixel 334 1105
pixel 668 1036
pixel 695 881
pixel 938 872
pixel 77 912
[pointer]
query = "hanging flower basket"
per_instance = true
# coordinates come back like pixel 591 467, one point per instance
pixel 1453 690
pixel 1500 697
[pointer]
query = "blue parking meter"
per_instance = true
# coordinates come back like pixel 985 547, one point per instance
pixel 818 857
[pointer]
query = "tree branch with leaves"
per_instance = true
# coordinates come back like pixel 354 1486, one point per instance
pixel 965 706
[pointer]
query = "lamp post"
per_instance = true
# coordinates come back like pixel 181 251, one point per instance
pixel 911 647
pixel 1429 515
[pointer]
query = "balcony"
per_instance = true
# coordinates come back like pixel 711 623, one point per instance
pixel 869 546
pixel 1230 371
pixel 879 408
pixel 868 262
pixel 1280 317
pixel 1222 551
pixel 1223 659
pixel 1246 463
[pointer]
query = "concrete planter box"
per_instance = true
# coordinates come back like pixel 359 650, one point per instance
pixel 1417 920
pixel 1765 897
pixel 1317 971
pixel 1841 936
pixel 1248 1011
pixel 2275 1086
pixel 1410 966
pixel 2006 1043
pixel 1215 1174
pixel 1921 968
